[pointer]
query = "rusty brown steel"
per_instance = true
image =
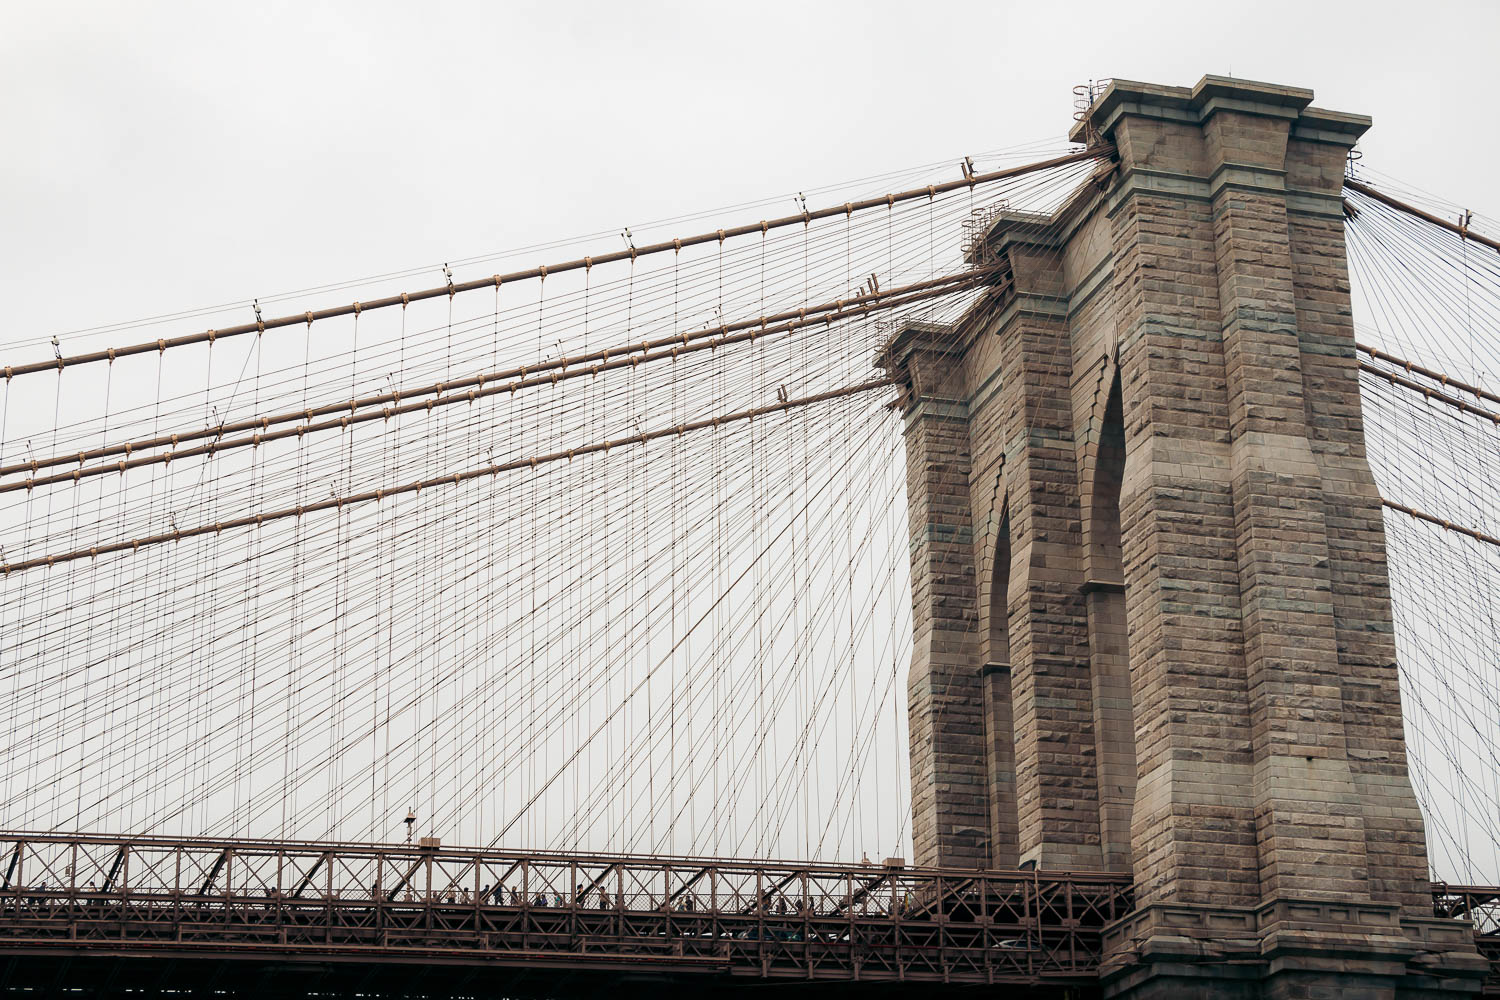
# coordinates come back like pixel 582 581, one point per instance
pixel 1441 522
pixel 1463 231
pixel 924 925
pixel 395 903
pixel 1428 392
pixel 1436 376
pixel 582 263
pixel 452 479
pixel 622 355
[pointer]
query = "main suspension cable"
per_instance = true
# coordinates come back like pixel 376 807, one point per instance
pixel 599 361
pixel 587 263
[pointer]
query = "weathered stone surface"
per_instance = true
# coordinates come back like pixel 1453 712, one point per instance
pixel 1149 578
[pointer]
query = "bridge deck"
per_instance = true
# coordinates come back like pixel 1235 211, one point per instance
pixel 71 905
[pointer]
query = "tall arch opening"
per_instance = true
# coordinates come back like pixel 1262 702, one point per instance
pixel 1000 764
pixel 1109 639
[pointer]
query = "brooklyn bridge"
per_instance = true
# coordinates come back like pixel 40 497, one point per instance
pixel 1070 570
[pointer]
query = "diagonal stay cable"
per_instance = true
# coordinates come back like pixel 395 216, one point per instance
pixel 338 502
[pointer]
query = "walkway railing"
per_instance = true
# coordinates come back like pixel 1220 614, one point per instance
pixel 394 904
pixel 410 903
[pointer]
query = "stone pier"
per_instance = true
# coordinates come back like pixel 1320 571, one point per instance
pixel 1153 622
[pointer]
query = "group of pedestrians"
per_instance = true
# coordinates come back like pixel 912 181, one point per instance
pixel 500 896
pixel 591 897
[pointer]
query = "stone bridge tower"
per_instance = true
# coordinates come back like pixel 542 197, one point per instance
pixel 1152 620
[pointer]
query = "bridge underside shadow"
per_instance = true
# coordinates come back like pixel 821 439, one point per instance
pixel 90 973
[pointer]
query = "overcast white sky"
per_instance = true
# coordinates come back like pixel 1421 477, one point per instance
pixel 161 156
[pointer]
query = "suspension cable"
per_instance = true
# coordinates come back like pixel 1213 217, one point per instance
pixel 1461 231
pixel 339 502
pixel 598 361
pixel 450 289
